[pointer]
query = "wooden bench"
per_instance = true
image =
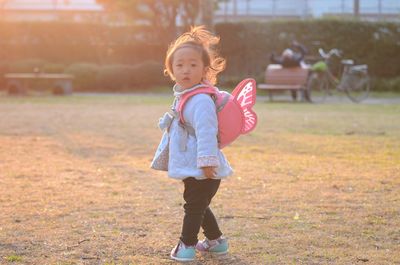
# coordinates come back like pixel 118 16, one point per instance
pixel 19 83
pixel 278 78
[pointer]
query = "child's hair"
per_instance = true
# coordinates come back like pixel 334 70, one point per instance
pixel 204 41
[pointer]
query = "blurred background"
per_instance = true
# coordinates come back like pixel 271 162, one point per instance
pixel 119 45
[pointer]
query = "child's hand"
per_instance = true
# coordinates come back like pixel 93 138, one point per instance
pixel 209 172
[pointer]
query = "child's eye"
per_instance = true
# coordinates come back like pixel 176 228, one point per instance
pixel 178 65
pixel 194 65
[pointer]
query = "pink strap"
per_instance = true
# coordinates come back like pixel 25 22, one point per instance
pixel 185 97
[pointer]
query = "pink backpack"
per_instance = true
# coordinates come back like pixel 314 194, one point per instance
pixel 235 116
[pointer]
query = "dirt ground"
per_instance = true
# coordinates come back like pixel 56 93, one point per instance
pixel 314 184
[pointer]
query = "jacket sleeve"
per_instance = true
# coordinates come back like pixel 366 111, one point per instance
pixel 200 113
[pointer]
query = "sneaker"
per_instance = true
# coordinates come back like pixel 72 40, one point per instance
pixel 217 246
pixel 183 252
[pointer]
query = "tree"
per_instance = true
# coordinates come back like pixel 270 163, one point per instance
pixel 2 6
pixel 190 11
pixel 356 8
pixel 159 15
pixel 207 12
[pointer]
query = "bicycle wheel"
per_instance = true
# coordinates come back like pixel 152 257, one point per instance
pixel 317 89
pixel 357 88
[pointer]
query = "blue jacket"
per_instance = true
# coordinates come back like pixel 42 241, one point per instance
pixel 190 151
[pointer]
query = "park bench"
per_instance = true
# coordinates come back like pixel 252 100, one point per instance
pixel 19 83
pixel 278 79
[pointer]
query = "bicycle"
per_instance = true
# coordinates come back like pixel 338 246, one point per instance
pixel 354 79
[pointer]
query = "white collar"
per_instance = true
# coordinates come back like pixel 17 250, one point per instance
pixel 178 92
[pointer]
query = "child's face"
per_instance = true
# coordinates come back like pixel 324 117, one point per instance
pixel 188 67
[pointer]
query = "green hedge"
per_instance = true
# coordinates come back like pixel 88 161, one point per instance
pixel 120 58
pixel 101 57
pixel 95 77
pixel 27 65
pixel 247 46
pixel 3 70
pixel 85 76
pixel 68 43
pixel 386 84
pixel 117 77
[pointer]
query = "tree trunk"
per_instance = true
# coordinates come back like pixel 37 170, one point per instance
pixel 207 13
pixel 356 8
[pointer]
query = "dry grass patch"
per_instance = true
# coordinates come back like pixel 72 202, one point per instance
pixel 314 184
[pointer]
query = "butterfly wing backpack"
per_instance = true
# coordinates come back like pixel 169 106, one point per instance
pixel 234 113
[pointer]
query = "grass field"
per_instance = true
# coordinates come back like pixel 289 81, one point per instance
pixel 314 184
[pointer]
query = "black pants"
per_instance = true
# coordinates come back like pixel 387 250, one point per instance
pixel 198 195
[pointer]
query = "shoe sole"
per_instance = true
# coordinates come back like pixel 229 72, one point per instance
pixel 181 259
pixel 213 253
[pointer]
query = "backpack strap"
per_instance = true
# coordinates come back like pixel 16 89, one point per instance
pixel 185 97
pixel 179 110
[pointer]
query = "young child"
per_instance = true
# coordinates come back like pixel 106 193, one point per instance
pixel 194 156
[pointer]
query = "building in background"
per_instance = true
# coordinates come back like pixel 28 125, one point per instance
pixel 372 10
pixel 228 10
pixel 51 10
